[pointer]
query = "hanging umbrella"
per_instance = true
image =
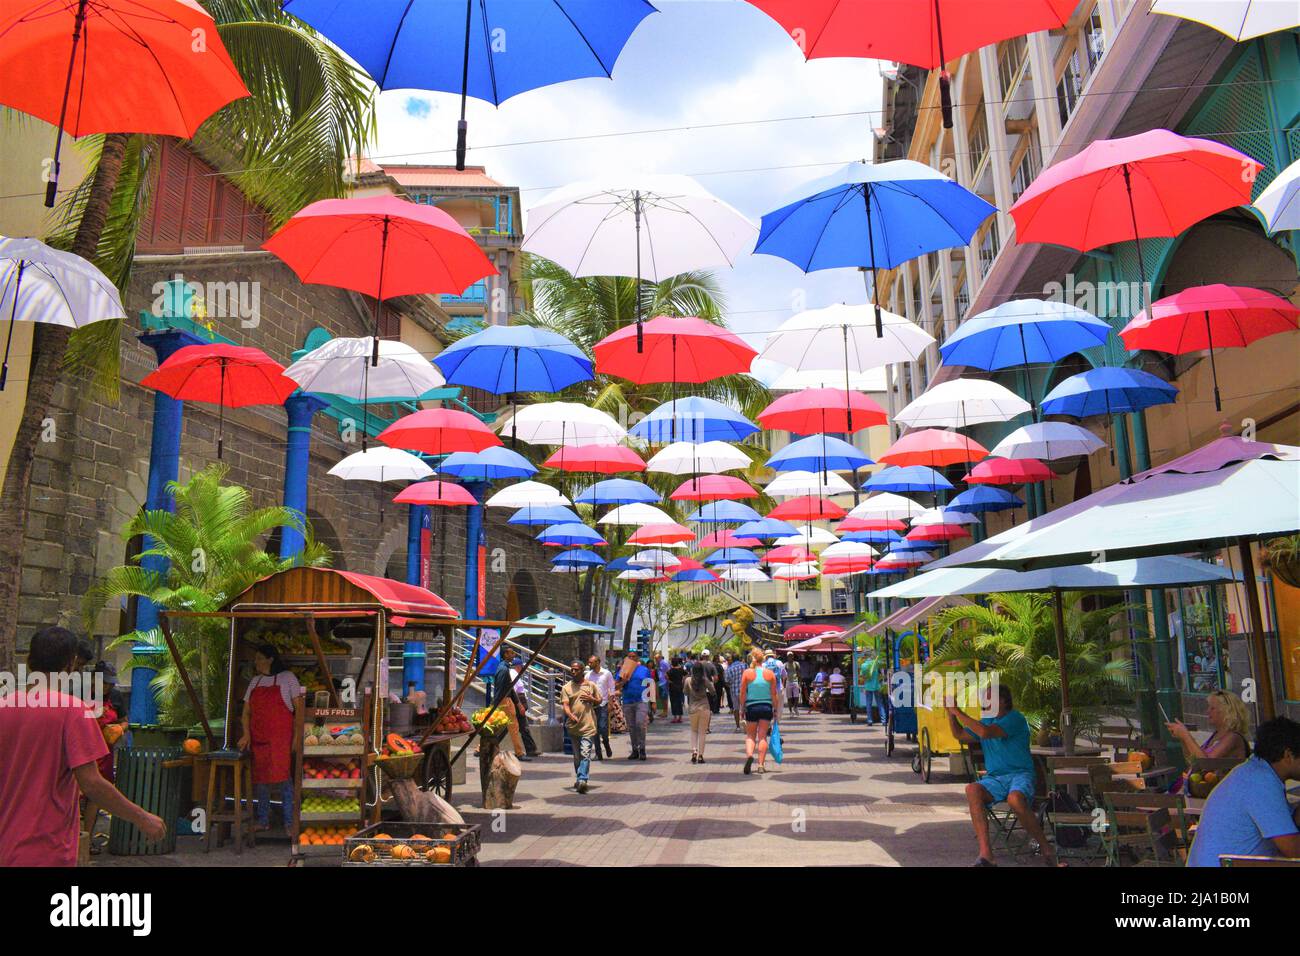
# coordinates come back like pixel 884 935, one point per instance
pixel 726 538
pixel 437 431
pixel 1240 20
pixel 689 458
pixel 578 558
pixel 488 465
pixel 788 554
pixel 849 564
pixel 818 453
pixel 565 424
pixel 1049 441
pixel 40 284
pixel 346 367
pixel 636 513
pixel 713 488
pixel 744 574
pixel 382 246
pixel 731 556
pixel 723 512
pixel 800 483
pixel 1107 391
pixel 892 507
pixel 381 464
pixel 796 572
pixel 533 515
pixel 1009 471
pixel 908 478
pixel 848 549
pixel 596 459
pixel 983 498
pixel 523 494
pixel 617 491
pixel 673 350
pixel 902 561
pixel 693 419
pixel 645 575
pixel 925 33
pixel 694 575
pixel 488 49
pixel 810 537
pixel 931 533
pixel 654 558
pixel 851 525
pixel 813 410
pixel 435 493
pixel 570 533
pixel 873 216
pixel 960 402
pixel 228 376
pixel 933 447
pixel 942 515
pixel 886 537
pixel 793 380
pixel 807 508
pixel 1206 317
pixel 1279 203
pixel 114 66
pixel 1023 332
pixel 668 533
pixel 768 527
pixel 652 227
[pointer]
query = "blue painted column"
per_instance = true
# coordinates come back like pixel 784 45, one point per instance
pixel 413 652
pixel 164 467
pixel 300 408
pixel 473 538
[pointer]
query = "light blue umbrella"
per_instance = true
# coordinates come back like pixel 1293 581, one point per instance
pixel 1023 332
pixel 818 453
pixel 908 478
pixel 617 491
pixel 693 419
pixel 571 533
pixel 544 514
pixel 577 557
pixel 984 498
pixel 488 464
pixel 766 528
pixel 691 575
pixel 514 358
pixel 1108 391
pixel 733 556
pixel 723 512
pixel 872 537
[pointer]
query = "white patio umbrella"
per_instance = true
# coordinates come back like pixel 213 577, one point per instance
pixel 747 574
pixel 1239 19
pixel 563 423
pixel 1048 441
pixel 522 494
pixel 636 514
pixel 792 484
pixel 40 284
pixel 1279 203
pixel 811 537
pixel 343 367
pixel 381 464
pixel 843 338
pixel 706 458
pixel 961 402
pixel 654 558
pixel 849 549
pixel 887 506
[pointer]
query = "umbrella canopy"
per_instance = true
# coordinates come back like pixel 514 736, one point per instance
pixel 654 558
pixel 577 557
pixel 1279 203
pixel 768 527
pixel 673 350
pixel 731 556
pixel 1049 441
pixel 907 478
pixel 788 554
pixel 666 533
pixel 647 575
pixel 692 575
pixel 852 526
pixel 1206 317
pixel 813 410
pixel 844 337
pixel 818 453
pixel 40 284
pixel 726 538
pixel 882 536
pixel 436 431
pixel 810 536
pixel 984 498
pixel 693 419
pixel 570 533
pixel 807 508
pixel 1009 471
pixel 723 512
pixel 617 491
pixel 523 494
pixel 488 464
pixel 890 507
pixel 897 560
pixel 596 459
pixel 514 358
pixel 713 488
pixel 345 367
pixel 746 574
pixel 637 514
pixel 937 532
pixel 933 447
pixel 848 549
pixel 439 492
pixel 689 458
pixel 944 516
pixel 1023 332
pixel 532 515
pixel 563 423
pixel 803 483
pixel 1107 391
pixel 1239 19
pixel 381 464
pixel 961 402
pixel 805 571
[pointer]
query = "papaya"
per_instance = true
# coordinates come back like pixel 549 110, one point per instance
pixel 190 746
pixel 398 744
pixel 362 854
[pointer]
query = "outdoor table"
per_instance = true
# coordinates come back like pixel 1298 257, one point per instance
pixel 1081 749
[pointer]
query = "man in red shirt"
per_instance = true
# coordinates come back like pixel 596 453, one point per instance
pixel 50 743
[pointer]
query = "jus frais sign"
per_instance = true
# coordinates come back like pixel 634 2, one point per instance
pixel 75 909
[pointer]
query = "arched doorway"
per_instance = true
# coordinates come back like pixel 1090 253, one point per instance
pixel 522 597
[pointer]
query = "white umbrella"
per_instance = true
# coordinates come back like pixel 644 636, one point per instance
pixel 843 338
pixel 1280 202
pixel 639 574
pixel 1048 441
pixel 796 380
pixel 654 558
pixel 522 494
pixel 795 483
pixel 636 514
pixel 894 560
pixel 887 506
pixel 343 367
pixel 933 516
pixel 789 572
pixel 563 423
pixel 747 574
pixel 810 537
pixel 381 464
pixel 849 549
pixel 961 402
pixel 706 458
pixel 1239 19
pixel 40 284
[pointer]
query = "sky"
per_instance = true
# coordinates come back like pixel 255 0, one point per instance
pixel 695 63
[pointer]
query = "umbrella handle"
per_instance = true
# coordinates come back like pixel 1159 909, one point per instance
pixel 462 127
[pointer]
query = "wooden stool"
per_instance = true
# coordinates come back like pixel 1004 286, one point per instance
pixel 229 777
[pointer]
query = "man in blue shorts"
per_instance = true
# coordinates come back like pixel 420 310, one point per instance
pixel 1009 771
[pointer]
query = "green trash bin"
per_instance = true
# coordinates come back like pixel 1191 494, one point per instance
pixel 144 781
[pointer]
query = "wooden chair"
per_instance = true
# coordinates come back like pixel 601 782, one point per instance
pixel 1085 819
pixel 1151 826
pixel 229 778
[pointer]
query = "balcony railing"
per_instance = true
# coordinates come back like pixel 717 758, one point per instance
pixel 474 295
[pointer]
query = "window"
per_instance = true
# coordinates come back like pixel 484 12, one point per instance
pixel 989 246
pixel 1069 88
pixel 1011 61
pixel 1028 167
pixel 978 141
pixel 839 599
pixel 1094 39
pixel 963 299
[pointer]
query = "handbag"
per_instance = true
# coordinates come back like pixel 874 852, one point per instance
pixel 774 743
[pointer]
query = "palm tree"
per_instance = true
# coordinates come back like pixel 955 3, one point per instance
pixel 1015 635
pixel 286 144
pixel 213 546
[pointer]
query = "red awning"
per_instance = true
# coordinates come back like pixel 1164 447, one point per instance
pixel 801 631
pixel 401 598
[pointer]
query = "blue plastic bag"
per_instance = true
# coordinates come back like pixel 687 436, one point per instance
pixel 774 743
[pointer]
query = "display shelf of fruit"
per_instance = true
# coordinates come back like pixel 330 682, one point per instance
pixel 332 774
pixel 327 836
pixel 1199 785
pixel 413 844
pixel 298 644
pixel 495 724
pixel 320 807
pixel 453 722
pixel 337 739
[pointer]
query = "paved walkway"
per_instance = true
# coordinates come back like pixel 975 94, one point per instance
pixel 835 800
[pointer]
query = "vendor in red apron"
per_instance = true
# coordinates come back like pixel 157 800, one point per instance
pixel 270 702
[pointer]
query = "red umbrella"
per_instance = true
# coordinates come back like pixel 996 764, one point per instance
pixel 597 459
pixel 381 246
pixel 687 564
pixel 934 448
pixel 789 554
pixel 847 565
pixel 439 431
pixel 1206 317
pixel 674 350
pixel 662 533
pixel 435 493
pixel 869 524
pixel 807 508
pixel 230 376
pixel 815 411
pixel 727 538
pixel 1009 471
pixel 133 66
pixel 713 488
pixel 936 532
pixel 925 33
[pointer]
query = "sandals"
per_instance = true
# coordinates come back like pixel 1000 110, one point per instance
pixel 749 765
pixel 981 861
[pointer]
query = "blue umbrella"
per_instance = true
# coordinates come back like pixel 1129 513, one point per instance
pixel 617 491
pixel 618 564
pixel 907 478
pixel 723 512
pixel 872 537
pixel 577 557
pixel 818 453
pixel 983 498
pixel 514 358
pixel 766 528
pixel 694 574
pixel 544 514
pixel 693 419
pixel 1023 332
pixel 488 464
pixel 461 48
pixel 732 556
pixel 899 547
pixel 874 216
pixel 570 533
pixel 1108 391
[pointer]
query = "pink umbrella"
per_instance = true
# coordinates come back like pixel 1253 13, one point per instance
pixel 713 488
pixel 727 539
pixel 435 493
pixel 1009 471
pixel 597 459
pixel 439 431
pixel 789 554
pixel 662 533
pixel 936 532
pixel 934 448
pixel 822 410
pixel 807 508
pixel 869 524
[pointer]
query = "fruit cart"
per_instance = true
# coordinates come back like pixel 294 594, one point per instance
pixel 906 650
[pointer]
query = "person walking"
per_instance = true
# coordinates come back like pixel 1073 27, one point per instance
pixel 699 705
pixel 869 683
pixel 757 696
pixel 735 673
pixel 793 691
pixel 604 683
pixel 579 698
pixel 636 684
pixel 713 674
pixel 724 689
pixel 676 678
